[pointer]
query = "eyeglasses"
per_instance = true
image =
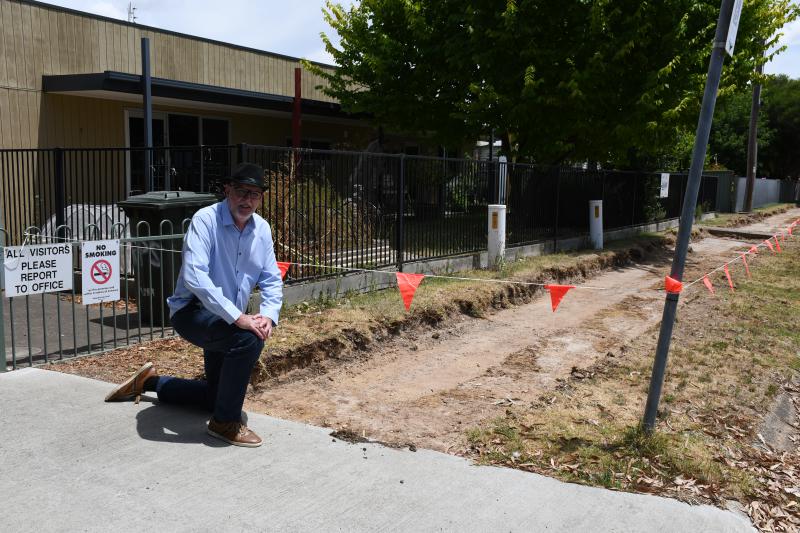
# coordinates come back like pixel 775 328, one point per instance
pixel 241 194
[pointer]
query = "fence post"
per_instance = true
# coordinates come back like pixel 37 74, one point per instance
pixel 202 164
pixel 61 201
pixel 401 208
pixel 242 151
pixel 502 180
pixel 3 361
pixel 494 183
pixel 558 194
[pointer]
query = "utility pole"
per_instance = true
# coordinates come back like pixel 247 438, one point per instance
pixel 752 142
pixel 724 39
pixel 147 106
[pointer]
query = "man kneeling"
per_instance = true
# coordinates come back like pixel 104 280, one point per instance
pixel 227 251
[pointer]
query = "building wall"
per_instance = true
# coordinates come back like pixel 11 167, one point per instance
pixel 76 122
pixel 40 40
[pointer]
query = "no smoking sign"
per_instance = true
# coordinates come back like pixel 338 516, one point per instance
pixel 101 271
pixel 100 268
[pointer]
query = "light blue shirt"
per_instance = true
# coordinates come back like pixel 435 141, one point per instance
pixel 222 265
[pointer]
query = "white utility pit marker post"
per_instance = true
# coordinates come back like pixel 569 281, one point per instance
pixel 596 223
pixel 497 234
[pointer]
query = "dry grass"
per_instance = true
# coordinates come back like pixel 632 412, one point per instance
pixel 731 355
pixel 336 328
pixel 313 331
pixel 730 220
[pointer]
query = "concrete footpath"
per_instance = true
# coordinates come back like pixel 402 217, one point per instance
pixel 70 462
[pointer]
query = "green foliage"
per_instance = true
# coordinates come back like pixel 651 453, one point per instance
pixel 678 154
pixel 730 132
pixel 654 211
pixel 574 80
pixel 781 159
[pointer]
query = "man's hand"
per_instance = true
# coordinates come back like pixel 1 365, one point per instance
pixel 265 324
pixel 260 325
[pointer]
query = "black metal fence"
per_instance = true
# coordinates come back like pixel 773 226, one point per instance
pixel 78 186
pixel 329 210
pixel 553 202
pixel 54 326
pixel 336 208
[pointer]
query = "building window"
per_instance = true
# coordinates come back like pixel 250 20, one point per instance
pixel 184 164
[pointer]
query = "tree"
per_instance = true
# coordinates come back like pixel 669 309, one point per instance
pixel 730 131
pixel 574 80
pixel 781 158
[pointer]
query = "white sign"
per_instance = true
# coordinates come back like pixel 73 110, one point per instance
pixel 664 185
pixel 100 266
pixel 37 269
pixel 734 27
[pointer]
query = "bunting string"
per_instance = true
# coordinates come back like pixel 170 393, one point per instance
pixel 752 251
pixel 393 272
pixel 408 283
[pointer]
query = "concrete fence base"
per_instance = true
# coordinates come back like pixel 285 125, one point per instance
pixel 370 281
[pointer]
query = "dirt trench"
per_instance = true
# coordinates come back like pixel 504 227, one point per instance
pixel 427 387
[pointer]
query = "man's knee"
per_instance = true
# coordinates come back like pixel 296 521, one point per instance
pixel 246 343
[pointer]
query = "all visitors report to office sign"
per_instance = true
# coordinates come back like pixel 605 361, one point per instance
pixel 37 269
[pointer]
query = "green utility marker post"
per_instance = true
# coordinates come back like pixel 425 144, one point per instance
pixel 724 39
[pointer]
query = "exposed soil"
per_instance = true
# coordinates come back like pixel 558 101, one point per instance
pixel 425 379
pixel 427 386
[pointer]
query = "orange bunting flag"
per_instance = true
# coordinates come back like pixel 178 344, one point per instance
pixel 728 275
pixel 672 285
pixel 747 268
pixel 408 283
pixel 753 250
pixel 791 227
pixel 771 248
pixel 777 244
pixel 557 292
pixel 284 268
pixel 707 283
pixel 783 235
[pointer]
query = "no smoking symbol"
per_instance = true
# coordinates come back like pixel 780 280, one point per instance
pixel 101 271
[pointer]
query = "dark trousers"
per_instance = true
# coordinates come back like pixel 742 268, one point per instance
pixel 229 354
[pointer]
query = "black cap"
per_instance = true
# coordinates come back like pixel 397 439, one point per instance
pixel 248 174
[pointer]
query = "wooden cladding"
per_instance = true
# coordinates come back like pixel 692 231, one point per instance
pixel 37 40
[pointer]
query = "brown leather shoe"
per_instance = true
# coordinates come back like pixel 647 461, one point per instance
pixel 133 386
pixel 234 433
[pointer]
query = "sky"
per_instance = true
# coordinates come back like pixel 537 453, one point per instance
pixel 291 27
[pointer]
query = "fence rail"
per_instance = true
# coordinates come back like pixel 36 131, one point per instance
pixel 53 326
pixel 328 208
